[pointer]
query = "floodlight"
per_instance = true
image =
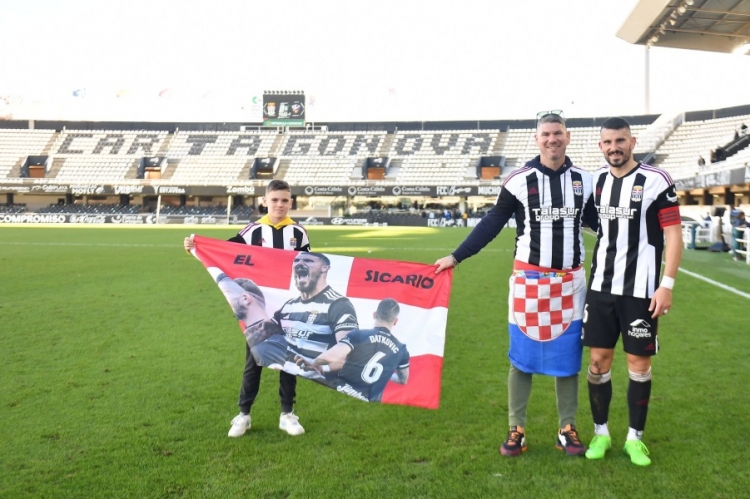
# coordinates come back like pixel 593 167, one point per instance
pixel 690 2
pixel 681 9
pixel 742 49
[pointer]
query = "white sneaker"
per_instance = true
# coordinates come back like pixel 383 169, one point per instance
pixel 240 424
pixel 289 422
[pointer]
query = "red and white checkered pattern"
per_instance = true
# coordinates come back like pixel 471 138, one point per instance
pixel 543 308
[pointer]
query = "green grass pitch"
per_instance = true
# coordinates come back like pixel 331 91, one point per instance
pixel 120 364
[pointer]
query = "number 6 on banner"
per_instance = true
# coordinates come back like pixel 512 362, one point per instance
pixel 373 369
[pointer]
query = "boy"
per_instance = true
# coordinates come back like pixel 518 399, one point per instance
pixel 273 230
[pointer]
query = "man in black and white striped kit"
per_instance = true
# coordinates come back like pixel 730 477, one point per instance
pixel 550 198
pixel 274 230
pixel 638 209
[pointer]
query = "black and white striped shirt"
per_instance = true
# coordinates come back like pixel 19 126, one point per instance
pixel 549 206
pixel 311 325
pixel 284 235
pixel 633 211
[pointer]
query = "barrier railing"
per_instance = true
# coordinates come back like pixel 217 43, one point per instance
pixel 742 245
pixel 695 236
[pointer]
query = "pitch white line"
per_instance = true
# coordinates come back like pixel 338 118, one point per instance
pixel 716 283
pixel 702 278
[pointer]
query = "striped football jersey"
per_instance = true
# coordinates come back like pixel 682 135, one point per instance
pixel 633 211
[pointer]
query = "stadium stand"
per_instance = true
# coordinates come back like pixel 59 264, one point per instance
pixel 105 170
pixel 448 156
pixel 443 143
pixel 102 155
pixel 91 209
pixel 216 157
pixel 448 171
pixel 92 169
pixel 16 145
pixel 320 170
pixel 303 157
pixel 240 211
pixel 326 158
pixel 331 144
pixel 12 208
pixel 443 156
pixel 679 153
pixel 583 149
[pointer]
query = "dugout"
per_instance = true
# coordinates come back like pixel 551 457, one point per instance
pixel 263 168
pixel 490 167
pixel 375 168
pixel 151 167
pixel 35 167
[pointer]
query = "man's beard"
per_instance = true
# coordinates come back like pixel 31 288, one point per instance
pixel 624 158
pixel 308 283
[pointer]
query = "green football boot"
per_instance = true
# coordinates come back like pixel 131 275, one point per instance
pixel 638 452
pixel 599 446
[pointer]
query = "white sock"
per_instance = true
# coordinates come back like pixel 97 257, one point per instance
pixel 601 429
pixel 634 434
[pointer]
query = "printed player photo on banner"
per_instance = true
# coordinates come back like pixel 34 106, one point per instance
pixel 370 329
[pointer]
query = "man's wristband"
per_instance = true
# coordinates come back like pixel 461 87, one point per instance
pixel 667 282
pixel 453 259
pixel 325 368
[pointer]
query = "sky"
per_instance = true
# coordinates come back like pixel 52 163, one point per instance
pixel 390 60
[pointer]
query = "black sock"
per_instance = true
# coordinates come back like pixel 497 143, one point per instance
pixel 600 396
pixel 639 393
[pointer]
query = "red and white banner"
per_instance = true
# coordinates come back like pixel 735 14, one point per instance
pixel 310 321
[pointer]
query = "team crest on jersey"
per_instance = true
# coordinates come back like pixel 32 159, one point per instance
pixel 293 242
pixel 578 188
pixel 637 194
pixel 312 316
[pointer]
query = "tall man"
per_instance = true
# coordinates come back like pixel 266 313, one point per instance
pixel 549 198
pixel 638 209
pixel 274 230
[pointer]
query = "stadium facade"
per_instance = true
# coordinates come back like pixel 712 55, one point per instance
pixel 378 172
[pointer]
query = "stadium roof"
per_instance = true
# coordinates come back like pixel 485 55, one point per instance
pixel 712 25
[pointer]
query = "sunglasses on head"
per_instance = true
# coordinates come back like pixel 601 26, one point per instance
pixel 553 112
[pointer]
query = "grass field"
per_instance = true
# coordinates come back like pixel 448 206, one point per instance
pixel 120 364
